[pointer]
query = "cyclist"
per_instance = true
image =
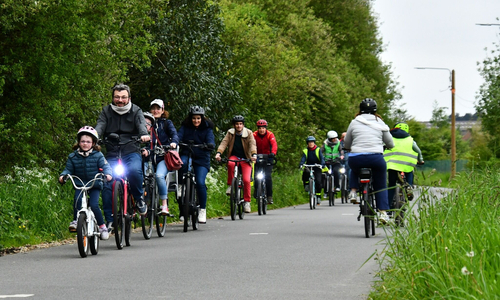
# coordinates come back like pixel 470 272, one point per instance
pixel 266 144
pixel 85 163
pixel 241 145
pixel 127 120
pixel 402 158
pixel 333 153
pixel 365 138
pixel 164 133
pixel 313 155
pixel 196 127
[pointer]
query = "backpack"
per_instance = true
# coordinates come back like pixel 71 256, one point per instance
pixel 173 160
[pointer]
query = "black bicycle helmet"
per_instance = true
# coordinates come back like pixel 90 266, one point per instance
pixel 310 139
pixel 238 118
pixel 368 106
pixel 197 110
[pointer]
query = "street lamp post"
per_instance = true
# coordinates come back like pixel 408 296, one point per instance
pixel 453 143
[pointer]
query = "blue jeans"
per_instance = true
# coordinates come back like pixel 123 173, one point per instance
pixel 161 173
pixel 133 170
pixel 94 204
pixel 200 173
pixel 379 175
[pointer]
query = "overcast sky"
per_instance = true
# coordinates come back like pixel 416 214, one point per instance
pixel 438 34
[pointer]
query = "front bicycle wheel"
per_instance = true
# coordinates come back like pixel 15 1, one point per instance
pixel 343 188
pixel 264 197
pixel 259 196
pixel 241 203
pixel 147 221
pixel 82 235
pixel 331 191
pixel 118 214
pixel 233 202
pixel 195 210
pixel 161 220
pixel 312 195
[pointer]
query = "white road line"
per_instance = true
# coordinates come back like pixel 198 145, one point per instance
pixel 258 233
pixel 16 296
pixel 348 214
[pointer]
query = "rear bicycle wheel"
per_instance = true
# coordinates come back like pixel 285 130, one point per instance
pixel 94 239
pixel 128 218
pixel 185 203
pixel 233 201
pixel 118 214
pixel 82 234
pixel 399 202
pixel 147 221
pixel 373 212
pixel 241 202
pixel 366 211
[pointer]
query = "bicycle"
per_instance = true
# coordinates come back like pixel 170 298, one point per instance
pixel 367 207
pixel 312 187
pixel 401 195
pixel 153 215
pixel 236 201
pixel 188 199
pixel 123 203
pixel 344 184
pixel 260 182
pixel 87 230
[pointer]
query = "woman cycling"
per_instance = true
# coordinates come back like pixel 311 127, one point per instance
pixel 365 138
pixel 198 129
pixel 164 133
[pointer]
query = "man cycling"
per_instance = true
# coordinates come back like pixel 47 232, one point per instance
pixel 241 145
pixel 127 120
pixel 266 144
pixel 402 158
pixel 333 153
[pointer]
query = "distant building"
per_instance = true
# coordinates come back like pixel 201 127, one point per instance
pixel 463 124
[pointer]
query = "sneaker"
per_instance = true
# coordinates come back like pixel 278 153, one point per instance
pixel 325 195
pixel 202 216
pixel 353 197
pixel 72 226
pixel 164 210
pixel 142 207
pixel 181 218
pixel 247 207
pixel 270 200
pixel 318 200
pixel 109 226
pixel 228 191
pixel 104 232
pixel 337 189
pixel 384 218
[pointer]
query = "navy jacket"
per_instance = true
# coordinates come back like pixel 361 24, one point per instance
pixel 204 134
pixel 86 167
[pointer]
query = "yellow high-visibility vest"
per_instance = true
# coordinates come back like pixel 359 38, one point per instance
pixel 402 157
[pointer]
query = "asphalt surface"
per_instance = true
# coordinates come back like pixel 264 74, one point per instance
pixel 290 253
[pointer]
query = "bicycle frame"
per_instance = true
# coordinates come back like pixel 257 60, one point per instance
pixel 237 188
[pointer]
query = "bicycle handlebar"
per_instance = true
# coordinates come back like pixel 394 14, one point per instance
pixel 89 185
pixel 225 160
pixel 312 166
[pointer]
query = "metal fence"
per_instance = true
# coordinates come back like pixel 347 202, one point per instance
pixel 444 165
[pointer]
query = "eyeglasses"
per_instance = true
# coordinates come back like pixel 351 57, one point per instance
pixel 122 97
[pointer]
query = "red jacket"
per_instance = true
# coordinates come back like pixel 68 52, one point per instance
pixel 266 143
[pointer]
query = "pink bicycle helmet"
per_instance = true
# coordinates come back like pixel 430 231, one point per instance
pixel 88 130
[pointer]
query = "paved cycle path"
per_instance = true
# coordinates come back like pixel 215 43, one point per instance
pixel 290 253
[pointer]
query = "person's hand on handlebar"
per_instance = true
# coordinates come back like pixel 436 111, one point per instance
pixel 109 178
pixel 145 138
pixel 217 156
pixel 173 145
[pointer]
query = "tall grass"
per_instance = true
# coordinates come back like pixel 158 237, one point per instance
pixel 34 208
pixel 449 248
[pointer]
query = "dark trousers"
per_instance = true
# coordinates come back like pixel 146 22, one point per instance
pixel 379 175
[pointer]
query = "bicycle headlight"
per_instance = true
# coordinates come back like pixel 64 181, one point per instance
pixel 260 176
pixel 119 170
pixel 342 170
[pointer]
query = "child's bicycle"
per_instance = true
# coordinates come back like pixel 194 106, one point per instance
pixel 87 230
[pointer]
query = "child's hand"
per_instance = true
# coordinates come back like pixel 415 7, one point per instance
pixel 109 177
pixel 61 179
pixel 145 153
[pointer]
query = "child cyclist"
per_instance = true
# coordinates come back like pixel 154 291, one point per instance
pixel 85 163
pixel 313 155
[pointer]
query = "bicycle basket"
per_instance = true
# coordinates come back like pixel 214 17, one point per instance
pixel 173 160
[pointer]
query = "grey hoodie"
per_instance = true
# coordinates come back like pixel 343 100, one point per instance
pixel 368 134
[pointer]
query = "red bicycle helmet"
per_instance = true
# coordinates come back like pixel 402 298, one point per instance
pixel 261 123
